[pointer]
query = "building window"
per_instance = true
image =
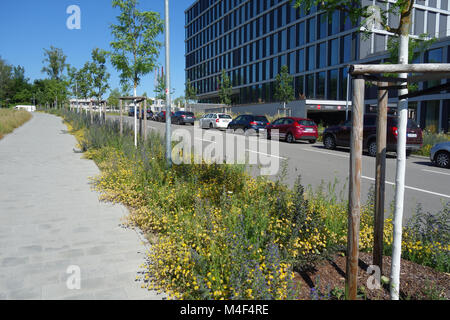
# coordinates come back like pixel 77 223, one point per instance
pixel 275 67
pixel 333 76
pixel 346 48
pixel 311 58
pixel 333 52
pixel 292 37
pixel 322 62
pixel 283 40
pixel 334 26
pixel 310 85
pixel 323 26
pixel 343 86
pixel 301 60
pixel 299 86
pixel 275 43
pixel 311 30
pixel 320 89
pixel 301 34
pixel 292 59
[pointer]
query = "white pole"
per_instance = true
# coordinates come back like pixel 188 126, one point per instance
pixel 400 174
pixel 168 101
pixel 135 118
pixel 348 88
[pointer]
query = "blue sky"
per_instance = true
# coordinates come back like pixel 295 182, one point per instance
pixel 29 26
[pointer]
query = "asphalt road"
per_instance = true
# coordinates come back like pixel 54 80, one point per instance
pixel 426 185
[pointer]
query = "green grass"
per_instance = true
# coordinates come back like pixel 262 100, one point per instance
pixel 11 119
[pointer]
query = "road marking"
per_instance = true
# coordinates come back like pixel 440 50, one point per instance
pixel 265 154
pixel 412 188
pixel 447 174
pixel 269 155
pixel 324 152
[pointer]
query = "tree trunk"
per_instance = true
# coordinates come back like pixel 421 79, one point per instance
pixel 401 165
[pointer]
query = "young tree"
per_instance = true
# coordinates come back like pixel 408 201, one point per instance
pixel 284 90
pixel 100 76
pixel 160 88
pixel 54 63
pixel 225 89
pixel 114 96
pixel 135 47
pixel 190 92
pixel 370 17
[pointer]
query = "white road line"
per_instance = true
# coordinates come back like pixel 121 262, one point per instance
pixel 444 173
pixel 268 155
pixel 253 151
pixel 324 152
pixel 412 188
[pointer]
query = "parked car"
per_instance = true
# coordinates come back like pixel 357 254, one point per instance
pixel 131 111
pixel 440 154
pixel 183 117
pixel 340 135
pixel 149 114
pixel 161 117
pixel 215 121
pixel 292 129
pixel 247 121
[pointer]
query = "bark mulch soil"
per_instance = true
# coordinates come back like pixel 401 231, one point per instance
pixel 327 281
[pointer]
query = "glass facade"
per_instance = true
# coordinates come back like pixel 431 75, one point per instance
pixel 253 39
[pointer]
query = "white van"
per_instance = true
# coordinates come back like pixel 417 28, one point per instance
pixel 27 108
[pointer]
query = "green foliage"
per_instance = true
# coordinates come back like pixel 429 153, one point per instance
pixel 225 89
pixel 113 99
pixel 190 91
pixel 135 47
pixel 160 87
pixel 55 61
pixel 99 75
pixel 284 90
pixel 430 138
pixel 362 15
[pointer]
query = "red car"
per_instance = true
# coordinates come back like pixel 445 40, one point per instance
pixel 292 129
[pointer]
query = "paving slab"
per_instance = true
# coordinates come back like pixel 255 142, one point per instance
pixel 51 220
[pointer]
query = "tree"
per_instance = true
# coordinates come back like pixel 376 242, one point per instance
pixel 5 82
pixel 99 75
pixel 190 92
pixel 135 47
pixel 225 89
pixel 370 17
pixel 284 91
pixel 179 101
pixel 114 96
pixel 55 61
pixel 160 88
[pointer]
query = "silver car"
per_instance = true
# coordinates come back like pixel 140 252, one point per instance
pixel 440 154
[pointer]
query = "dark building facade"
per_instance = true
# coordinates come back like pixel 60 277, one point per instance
pixel 252 39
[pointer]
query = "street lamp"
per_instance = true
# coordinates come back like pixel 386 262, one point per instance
pixel 168 101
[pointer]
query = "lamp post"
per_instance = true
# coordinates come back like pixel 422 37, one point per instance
pixel 168 101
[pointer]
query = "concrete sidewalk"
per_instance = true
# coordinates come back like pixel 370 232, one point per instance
pixel 50 219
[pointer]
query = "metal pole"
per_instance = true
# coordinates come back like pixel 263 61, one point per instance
pixel 380 176
pixel 168 101
pixel 121 117
pixel 348 93
pixel 145 119
pixel 356 144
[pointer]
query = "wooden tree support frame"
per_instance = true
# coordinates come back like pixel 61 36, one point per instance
pixel 360 73
pixel 138 100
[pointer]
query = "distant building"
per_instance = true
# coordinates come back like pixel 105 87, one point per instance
pixel 252 39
